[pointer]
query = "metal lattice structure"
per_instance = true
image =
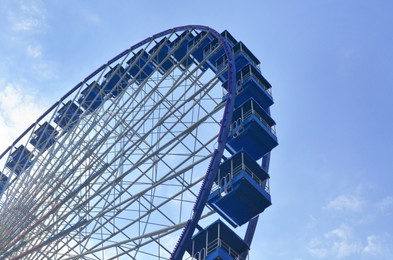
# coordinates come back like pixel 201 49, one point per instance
pixel 125 165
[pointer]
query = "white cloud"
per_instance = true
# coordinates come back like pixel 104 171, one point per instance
pixel 378 247
pixel 346 203
pixel 386 204
pixel 93 18
pixel 317 249
pixel 373 246
pixel 89 15
pixel 337 243
pixel 34 51
pixel 45 70
pixel 18 110
pixel 341 242
pixel 343 232
pixel 24 24
pixel 344 242
pixel 27 16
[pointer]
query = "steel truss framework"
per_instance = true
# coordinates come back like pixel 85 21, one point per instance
pixel 122 165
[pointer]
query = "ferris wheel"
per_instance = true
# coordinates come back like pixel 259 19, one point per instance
pixel 161 153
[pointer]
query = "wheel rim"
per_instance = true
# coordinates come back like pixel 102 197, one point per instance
pixel 126 174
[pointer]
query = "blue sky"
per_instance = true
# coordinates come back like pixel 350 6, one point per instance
pixel 330 64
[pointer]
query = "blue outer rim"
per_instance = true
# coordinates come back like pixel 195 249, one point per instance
pixel 211 173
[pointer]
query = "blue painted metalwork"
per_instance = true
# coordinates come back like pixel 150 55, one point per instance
pixel 251 83
pixel 181 43
pixel 213 54
pixel 139 67
pixel 20 160
pixel 212 170
pixel 218 58
pixel 251 106
pixel 240 161
pixel 3 181
pixel 252 225
pixel 199 42
pixel 160 56
pixel 251 130
pixel 68 115
pixel 217 241
pixel 116 80
pixel 44 137
pixel 90 98
pixel 243 56
pixel 242 191
pixel 229 37
pixel 246 199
